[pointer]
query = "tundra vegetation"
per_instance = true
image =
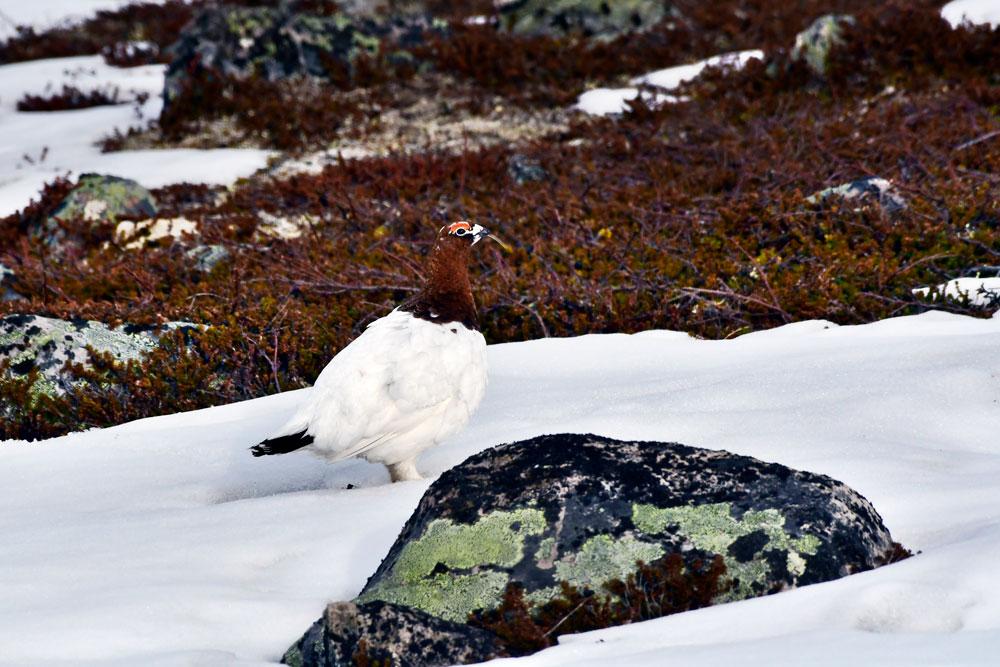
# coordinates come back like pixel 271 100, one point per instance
pixel 694 216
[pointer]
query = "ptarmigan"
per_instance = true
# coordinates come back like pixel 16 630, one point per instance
pixel 410 380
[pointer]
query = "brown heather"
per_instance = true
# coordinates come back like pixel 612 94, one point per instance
pixel 666 586
pixel 690 217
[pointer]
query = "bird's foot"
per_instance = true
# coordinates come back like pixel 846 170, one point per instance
pixel 404 471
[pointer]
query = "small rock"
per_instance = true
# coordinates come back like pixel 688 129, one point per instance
pixel 813 44
pixel 588 18
pixel 284 227
pixel 152 230
pixel 6 280
pixel 98 200
pixel 380 633
pixel 206 257
pixel 875 189
pixel 523 169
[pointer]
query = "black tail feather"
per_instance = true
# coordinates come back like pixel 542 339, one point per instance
pixel 282 444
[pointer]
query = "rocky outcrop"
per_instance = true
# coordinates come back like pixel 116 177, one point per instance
pixel 812 45
pixel 585 509
pixel 586 18
pixel 45 344
pixel 280 42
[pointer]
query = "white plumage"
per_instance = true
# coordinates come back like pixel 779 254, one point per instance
pixel 403 385
pixel 412 379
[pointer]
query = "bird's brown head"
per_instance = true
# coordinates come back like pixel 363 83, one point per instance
pixel 467 234
pixel 447 293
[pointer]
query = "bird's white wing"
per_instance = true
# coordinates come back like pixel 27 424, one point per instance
pixel 400 372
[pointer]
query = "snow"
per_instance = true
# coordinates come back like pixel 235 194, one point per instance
pixel 37 147
pixel 972 11
pixel 605 101
pixel 164 542
pixel 979 291
pixel 44 14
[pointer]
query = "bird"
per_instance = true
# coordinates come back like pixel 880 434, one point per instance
pixel 409 381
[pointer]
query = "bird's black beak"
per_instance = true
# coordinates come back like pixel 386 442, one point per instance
pixel 485 234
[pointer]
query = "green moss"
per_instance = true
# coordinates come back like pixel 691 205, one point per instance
pixel 711 527
pixel 497 539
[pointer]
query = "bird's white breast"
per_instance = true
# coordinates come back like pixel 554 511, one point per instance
pixel 403 385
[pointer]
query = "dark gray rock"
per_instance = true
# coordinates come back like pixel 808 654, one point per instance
pixel 7 277
pixel 864 190
pixel 388 634
pixel 588 18
pixel 812 45
pixel 523 169
pixel 207 257
pixel 584 509
pixel 280 42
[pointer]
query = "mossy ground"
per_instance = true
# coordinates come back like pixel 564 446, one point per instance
pixel 690 217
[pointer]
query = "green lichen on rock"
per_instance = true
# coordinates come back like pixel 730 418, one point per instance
pixel 813 44
pixel 600 560
pixel 603 558
pixel 546 554
pixel 292 657
pixel 712 528
pixel 45 344
pixel 495 540
pixel 452 597
pixel 98 198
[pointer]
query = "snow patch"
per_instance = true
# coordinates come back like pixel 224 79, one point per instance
pixel 38 147
pixel 606 101
pixel 981 292
pixel 163 541
pixel 976 12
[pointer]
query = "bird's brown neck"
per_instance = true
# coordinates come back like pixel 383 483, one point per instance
pixel 447 294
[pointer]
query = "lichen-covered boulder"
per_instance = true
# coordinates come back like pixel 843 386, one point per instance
pixel 864 190
pixel 99 200
pixel 278 43
pixel 587 18
pixel 812 45
pixel 379 633
pixel 45 344
pixel 583 509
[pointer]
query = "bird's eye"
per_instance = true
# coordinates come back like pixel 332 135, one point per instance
pixel 461 231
